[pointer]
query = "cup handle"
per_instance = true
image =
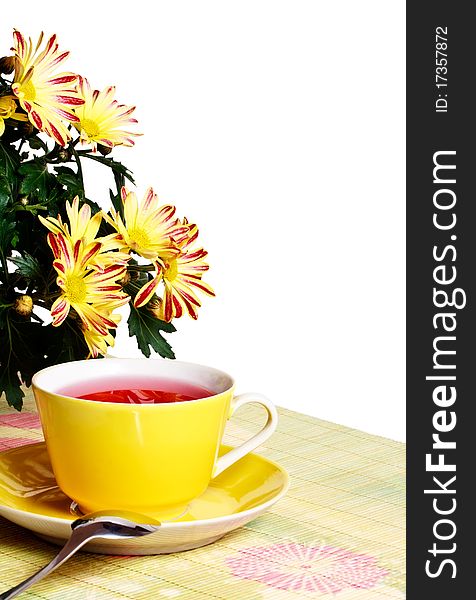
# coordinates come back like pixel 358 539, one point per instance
pixel 225 461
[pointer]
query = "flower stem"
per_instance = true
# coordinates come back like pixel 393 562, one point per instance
pixel 78 164
pixel 4 265
pixel 141 268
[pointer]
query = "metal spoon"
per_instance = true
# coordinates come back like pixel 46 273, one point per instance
pixel 93 525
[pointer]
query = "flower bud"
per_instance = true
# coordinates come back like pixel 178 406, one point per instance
pixel 23 305
pixel 154 303
pixel 104 150
pixel 26 128
pixel 64 155
pixel 7 65
pixel 154 307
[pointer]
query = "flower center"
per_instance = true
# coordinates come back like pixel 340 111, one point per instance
pixel 171 270
pixel 90 127
pixel 29 91
pixel 138 238
pixel 75 289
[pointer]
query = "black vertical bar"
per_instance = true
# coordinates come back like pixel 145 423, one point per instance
pixel 441 258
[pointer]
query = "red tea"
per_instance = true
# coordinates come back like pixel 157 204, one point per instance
pixel 127 390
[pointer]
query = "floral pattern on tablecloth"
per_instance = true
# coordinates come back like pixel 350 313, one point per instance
pixel 308 568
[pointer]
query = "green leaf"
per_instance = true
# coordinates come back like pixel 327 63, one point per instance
pixel 36 179
pixel 66 343
pixel 117 167
pixel 11 386
pixel 27 266
pixel 8 232
pixel 37 143
pixel 116 202
pixel 4 308
pixel 55 201
pixel 6 193
pixel 9 160
pixel 147 330
pixel 71 181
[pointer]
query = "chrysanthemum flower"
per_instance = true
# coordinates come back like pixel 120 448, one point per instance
pixel 182 276
pixel 101 120
pixel 97 343
pixel 81 225
pixel 93 294
pixel 85 228
pixel 8 110
pixel 45 96
pixel 148 229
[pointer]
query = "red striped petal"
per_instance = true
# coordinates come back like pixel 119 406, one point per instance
pixel 64 79
pixel 113 269
pixel 191 309
pixel 109 288
pixel 58 308
pixel 149 197
pixel 20 40
pixel 37 119
pixel 167 211
pixel 177 307
pixel 194 235
pixel 186 296
pixel 67 115
pixel 60 311
pixel 200 268
pixel 146 292
pixel 53 245
pixel 77 246
pixel 72 100
pixel 108 322
pixel 59 58
pixel 56 134
pixel 50 43
pixel 59 266
pixel 195 255
pixel 98 328
pixel 168 306
pixel 93 250
pixel 106 142
pixel 204 287
pixel 64 249
pixel 58 320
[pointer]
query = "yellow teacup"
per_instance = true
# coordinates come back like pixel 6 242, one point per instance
pixel 149 458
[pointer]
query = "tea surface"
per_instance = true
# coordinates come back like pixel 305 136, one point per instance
pixel 137 391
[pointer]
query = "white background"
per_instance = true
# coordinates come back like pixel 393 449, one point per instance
pixel 278 127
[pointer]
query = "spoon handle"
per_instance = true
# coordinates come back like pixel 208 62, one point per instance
pixel 78 538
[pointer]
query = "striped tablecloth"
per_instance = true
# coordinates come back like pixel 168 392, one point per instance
pixel 339 533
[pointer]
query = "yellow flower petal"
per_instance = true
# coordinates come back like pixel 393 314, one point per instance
pixel 147 229
pixel 47 97
pixel 101 120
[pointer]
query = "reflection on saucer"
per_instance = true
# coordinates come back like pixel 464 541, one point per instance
pixel 30 497
pixel 76 511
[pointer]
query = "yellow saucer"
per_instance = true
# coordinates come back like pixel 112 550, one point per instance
pixel 30 497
